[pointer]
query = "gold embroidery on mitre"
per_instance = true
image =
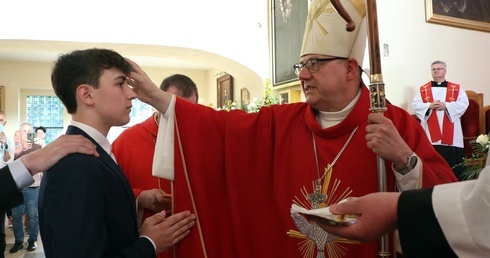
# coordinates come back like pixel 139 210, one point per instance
pixel 318 8
pixel 332 247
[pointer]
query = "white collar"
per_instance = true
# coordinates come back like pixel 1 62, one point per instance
pixel 96 135
pixel 329 119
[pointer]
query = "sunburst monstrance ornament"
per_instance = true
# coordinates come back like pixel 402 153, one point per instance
pixel 313 236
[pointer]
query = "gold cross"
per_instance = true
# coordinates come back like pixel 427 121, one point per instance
pixel 452 93
pixel 425 90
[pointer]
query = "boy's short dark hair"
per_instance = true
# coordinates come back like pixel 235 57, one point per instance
pixel 83 67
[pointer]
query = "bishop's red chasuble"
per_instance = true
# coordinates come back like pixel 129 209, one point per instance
pixel 241 172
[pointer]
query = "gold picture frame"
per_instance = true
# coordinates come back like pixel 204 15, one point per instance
pixel 244 98
pixel 224 86
pixel 2 97
pixel 474 15
pixel 289 96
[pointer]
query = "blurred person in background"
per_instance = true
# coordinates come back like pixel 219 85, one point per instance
pixel 6 156
pixel 41 136
pixel 31 193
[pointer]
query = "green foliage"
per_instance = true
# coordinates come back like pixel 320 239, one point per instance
pixel 229 105
pixel 474 164
pixel 268 99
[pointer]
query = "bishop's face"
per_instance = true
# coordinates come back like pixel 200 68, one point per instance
pixel 327 86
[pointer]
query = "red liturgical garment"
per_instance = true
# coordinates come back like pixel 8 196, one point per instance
pixel 243 171
pixel 134 150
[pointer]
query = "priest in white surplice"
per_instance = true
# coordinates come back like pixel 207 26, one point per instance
pixel 439 105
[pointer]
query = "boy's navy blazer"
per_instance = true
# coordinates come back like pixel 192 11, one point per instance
pixel 87 208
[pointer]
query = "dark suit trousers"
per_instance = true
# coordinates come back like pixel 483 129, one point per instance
pixel 2 233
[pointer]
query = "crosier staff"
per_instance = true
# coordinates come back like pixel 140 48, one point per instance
pixel 378 100
pixel 376 88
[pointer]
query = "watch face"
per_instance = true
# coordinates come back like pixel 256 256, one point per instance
pixel 412 162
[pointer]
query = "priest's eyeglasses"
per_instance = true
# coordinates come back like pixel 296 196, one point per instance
pixel 313 65
pixel 437 69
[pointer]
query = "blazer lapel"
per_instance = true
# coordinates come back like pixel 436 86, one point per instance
pixel 109 162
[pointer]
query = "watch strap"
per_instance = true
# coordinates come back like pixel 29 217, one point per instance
pixel 411 163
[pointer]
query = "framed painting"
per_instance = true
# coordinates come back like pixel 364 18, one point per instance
pixel 287 26
pixel 2 97
pixel 467 14
pixel 289 96
pixel 224 89
pixel 244 98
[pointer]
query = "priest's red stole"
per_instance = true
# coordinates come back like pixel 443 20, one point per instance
pixel 447 134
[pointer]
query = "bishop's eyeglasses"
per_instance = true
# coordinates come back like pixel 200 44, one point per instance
pixel 313 65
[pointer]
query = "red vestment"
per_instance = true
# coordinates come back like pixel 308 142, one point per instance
pixel 134 150
pixel 245 170
pixel 447 134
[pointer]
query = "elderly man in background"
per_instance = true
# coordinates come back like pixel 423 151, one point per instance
pixel 439 105
pixel 31 193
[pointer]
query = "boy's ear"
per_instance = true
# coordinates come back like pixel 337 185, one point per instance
pixel 84 93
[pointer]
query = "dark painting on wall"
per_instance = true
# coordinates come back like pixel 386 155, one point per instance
pixel 224 89
pixel 244 98
pixel 288 21
pixel 469 14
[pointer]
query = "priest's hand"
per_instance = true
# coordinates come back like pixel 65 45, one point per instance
pixel 155 200
pixel 438 105
pixel 377 216
pixel 384 140
pixel 146 90
pixel 166 232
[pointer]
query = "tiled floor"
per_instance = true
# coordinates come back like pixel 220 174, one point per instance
pixel 38 253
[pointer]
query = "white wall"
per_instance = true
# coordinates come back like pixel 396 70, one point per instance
pixel 415 43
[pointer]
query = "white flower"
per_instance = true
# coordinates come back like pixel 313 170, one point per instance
pixel 482 140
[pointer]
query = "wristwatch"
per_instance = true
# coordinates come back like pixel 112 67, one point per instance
pixel 411 163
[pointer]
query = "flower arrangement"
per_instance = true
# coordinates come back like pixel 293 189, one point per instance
pixel 474 164
pixel 268 99
pixel 229 105
pixel 254 105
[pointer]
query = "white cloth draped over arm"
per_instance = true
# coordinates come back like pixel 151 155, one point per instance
pixel 463 212
pixel 163 158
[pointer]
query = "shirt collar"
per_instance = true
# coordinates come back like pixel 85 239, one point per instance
pixel 96 135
